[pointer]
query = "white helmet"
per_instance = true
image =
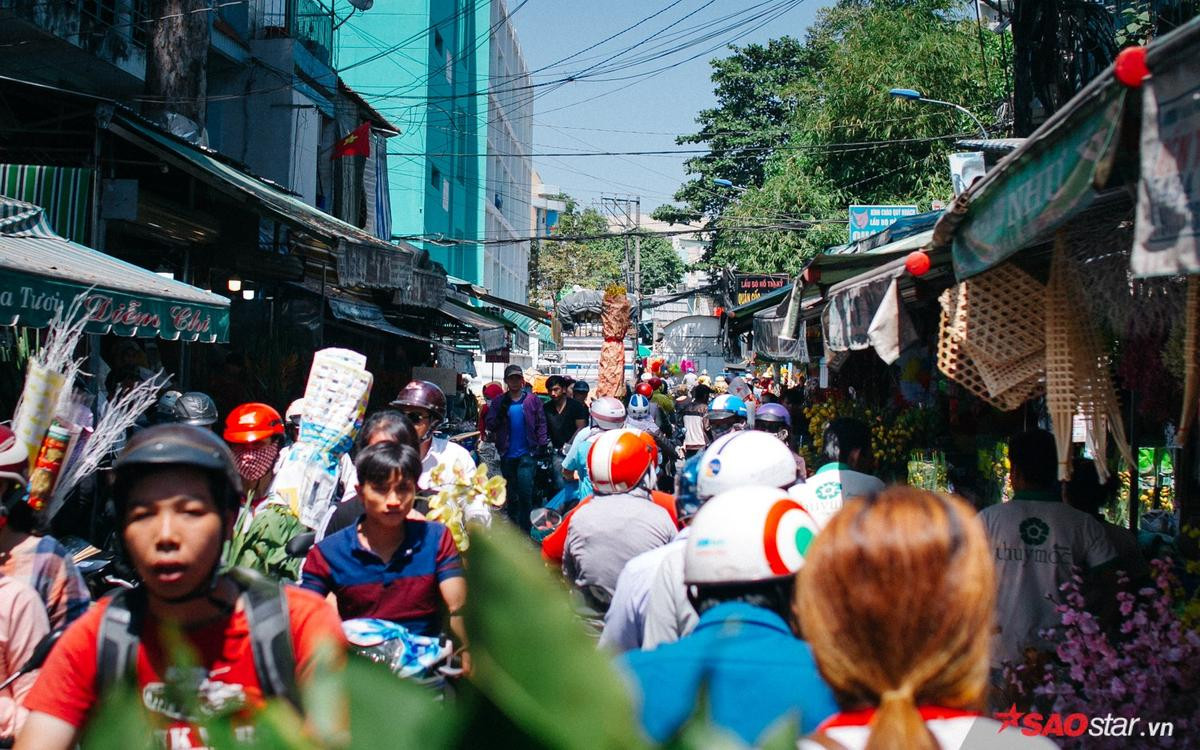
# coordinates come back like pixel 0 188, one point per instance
pixel 745 458
pixel 747 535
pixel 639 407
pixel 608 413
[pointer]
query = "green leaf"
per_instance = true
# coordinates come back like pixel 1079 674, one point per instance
pixel 531 655
pixel 388 712
pixel 119 723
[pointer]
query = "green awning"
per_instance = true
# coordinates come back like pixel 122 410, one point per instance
pixel 1053 176
pixel 531 327
pixel 40 272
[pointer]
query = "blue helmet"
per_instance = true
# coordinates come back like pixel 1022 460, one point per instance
pixel 728 403
pixel 639 407
pixel 687 496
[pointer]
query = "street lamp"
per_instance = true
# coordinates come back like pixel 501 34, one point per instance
pixel 916 96
pixel 722 182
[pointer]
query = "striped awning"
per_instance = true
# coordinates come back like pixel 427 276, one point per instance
pixel 40 272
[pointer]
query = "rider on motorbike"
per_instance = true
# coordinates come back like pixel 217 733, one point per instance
pixel 736 460
pixel 726 413
pixel 743 656
pixel 774 419
pixel 622 521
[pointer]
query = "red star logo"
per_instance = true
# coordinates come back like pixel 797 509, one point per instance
pixel 1009 718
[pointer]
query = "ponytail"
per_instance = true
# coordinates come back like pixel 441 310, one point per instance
pixel 898 724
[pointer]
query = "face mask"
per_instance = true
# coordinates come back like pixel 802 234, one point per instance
pixel 254 460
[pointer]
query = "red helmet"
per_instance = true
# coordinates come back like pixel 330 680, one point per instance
pixel 421 394
pixel 250 423
pixel 619 460
pixel 656 383
pixel 492 390
pixel 644 389
pixel 14 457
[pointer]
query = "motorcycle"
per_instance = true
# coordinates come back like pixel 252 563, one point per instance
pixel 426 660
pixel 102 571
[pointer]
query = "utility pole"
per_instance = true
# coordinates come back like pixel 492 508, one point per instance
pixel 637 271
pixel 631 222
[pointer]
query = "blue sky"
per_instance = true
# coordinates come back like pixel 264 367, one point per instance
pixel 640 114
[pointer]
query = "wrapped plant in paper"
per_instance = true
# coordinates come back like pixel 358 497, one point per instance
pixel 464 497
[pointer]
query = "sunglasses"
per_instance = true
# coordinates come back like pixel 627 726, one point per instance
pixel 416 417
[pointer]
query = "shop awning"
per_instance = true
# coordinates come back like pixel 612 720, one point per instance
pixel 1056 173
pixel 363 259
pixel 371 316
pixel 484 296
pixel 40 271
pixel 493 329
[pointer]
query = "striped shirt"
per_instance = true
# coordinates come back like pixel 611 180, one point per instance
pixel 403 590
pixel 46 566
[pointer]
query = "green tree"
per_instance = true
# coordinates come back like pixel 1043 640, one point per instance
pixel 848 140
pixel 560 264
pixel 755 102
pixel 661 265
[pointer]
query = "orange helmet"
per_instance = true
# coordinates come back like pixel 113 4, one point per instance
pixel 250 423
pixel 619 460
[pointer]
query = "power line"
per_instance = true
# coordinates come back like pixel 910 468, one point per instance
pixel 837 147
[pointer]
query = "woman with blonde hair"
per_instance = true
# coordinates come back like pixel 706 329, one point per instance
pixel 897 600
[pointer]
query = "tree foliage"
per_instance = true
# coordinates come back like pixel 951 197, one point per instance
pixel 848 140
pixel 595 263
pixel 755 102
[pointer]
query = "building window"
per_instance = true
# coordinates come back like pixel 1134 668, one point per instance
pixel 435 177
pixel 438 44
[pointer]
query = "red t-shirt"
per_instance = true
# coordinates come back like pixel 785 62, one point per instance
pixel 225 678
pixel 554 545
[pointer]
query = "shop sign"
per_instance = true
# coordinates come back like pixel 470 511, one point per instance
pixel 373 267
pixel 30 300
pixel 868 220
pixel 500 356
pixel 750 286
pixel 1052 181
pixel 1167 238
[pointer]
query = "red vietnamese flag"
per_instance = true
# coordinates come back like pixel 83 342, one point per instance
pixel 357 143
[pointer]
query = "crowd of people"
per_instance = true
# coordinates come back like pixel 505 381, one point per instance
pixel 701 552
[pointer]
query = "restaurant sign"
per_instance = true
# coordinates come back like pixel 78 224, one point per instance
pixel 30 300
pixel 750 286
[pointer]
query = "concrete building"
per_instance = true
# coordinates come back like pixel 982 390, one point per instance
pixel 451 75
pixel 544 207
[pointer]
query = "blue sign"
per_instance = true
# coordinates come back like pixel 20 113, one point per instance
pixel 867 220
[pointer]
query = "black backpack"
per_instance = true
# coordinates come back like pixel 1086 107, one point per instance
pixel 266 611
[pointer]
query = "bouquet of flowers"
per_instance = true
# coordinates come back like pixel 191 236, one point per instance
pixel 464 497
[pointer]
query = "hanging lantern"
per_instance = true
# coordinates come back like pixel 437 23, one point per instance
pixel 1130 66
pixel 917 263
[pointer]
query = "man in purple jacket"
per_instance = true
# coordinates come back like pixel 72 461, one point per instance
pixel 516 423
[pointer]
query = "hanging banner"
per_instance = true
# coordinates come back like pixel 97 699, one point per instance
pixel 1053 177
pixel 1167 233
pixel 750 286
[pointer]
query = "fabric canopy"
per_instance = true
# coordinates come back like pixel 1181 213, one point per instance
pixel 40 272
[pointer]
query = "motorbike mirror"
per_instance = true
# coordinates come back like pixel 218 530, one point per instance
pixel 37 658
pixel 299 545
pixel 545 518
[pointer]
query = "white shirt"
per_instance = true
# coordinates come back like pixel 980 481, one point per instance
pixel 826 490
pixel 624 622
pixel 669 613
pixel 962 732
pixel 443 451
pixel 1036 543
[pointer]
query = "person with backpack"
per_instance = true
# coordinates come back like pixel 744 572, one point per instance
pixel 177 492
